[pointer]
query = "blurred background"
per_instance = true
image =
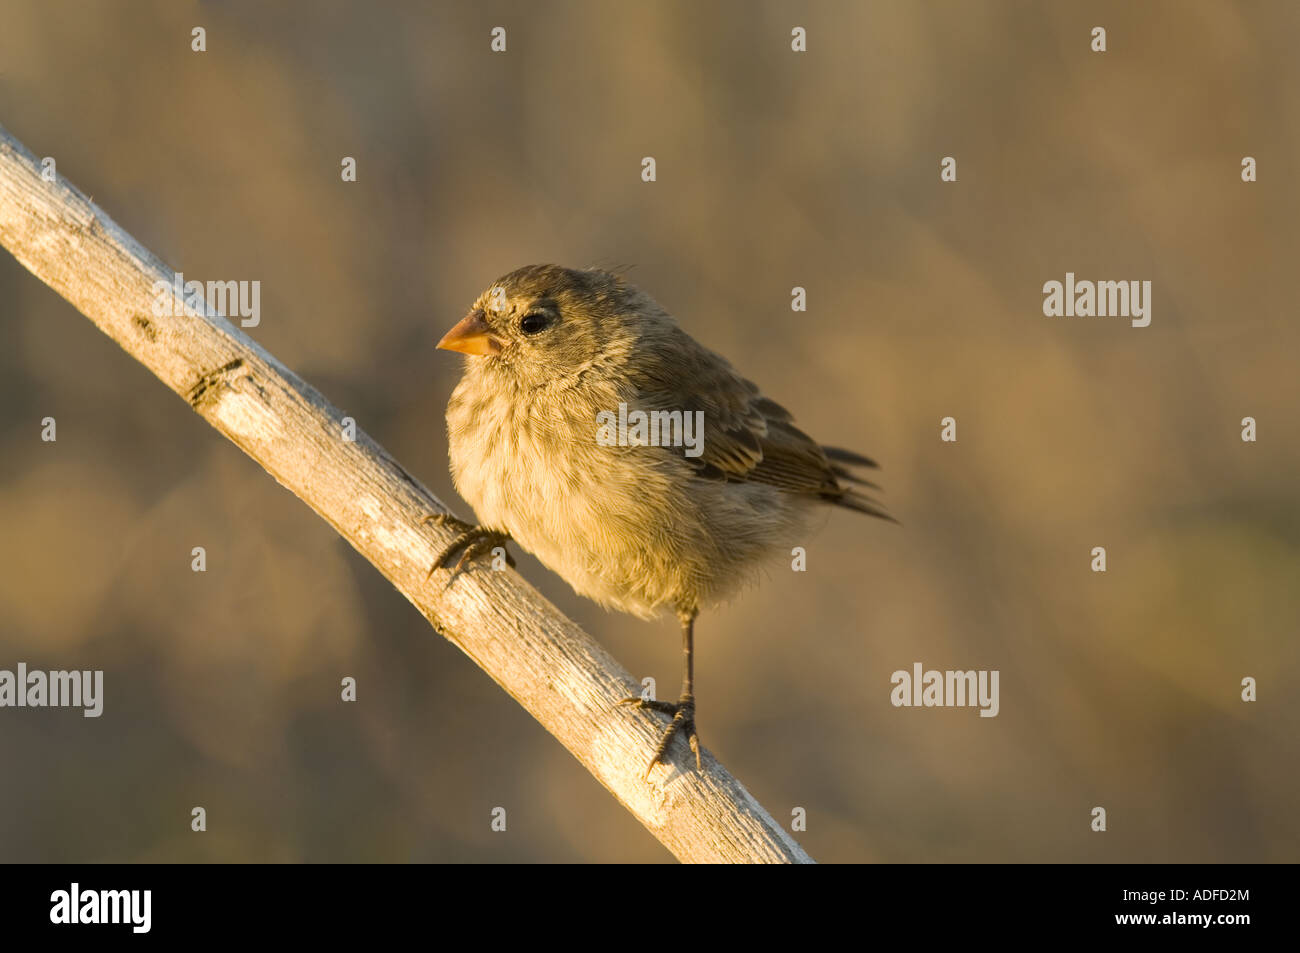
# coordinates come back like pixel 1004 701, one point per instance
pixel 775 170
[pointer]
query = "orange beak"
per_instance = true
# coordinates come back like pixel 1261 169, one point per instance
pixel 471 336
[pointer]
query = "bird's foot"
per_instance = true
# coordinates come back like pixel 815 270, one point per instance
pixel 682 712
pixel 474 540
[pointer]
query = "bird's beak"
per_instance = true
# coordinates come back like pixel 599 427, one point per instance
pixel 471 336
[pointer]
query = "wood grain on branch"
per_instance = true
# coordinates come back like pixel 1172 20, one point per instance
pixel 543 660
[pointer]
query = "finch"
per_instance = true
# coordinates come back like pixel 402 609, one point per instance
pixel 641 512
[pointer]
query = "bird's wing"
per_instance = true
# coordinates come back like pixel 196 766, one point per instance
pixel 749 437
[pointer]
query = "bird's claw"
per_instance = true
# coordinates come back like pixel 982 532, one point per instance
pixel 682 712
pixel 474 540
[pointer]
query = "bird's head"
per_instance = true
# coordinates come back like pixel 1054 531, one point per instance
pixel 545 321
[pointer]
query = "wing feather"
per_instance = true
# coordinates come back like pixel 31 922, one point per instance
pixel 747 437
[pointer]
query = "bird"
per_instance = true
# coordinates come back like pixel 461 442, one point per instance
pixel 551 442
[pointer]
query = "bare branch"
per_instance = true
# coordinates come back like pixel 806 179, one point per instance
pixel 549 665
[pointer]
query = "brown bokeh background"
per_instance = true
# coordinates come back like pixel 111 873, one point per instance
pixel 775 169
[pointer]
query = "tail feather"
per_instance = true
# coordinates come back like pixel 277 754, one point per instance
pixel 843 473
pixel 849 497
pixel 840 455
pixel 861 504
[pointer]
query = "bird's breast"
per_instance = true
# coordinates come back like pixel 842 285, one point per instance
pixel 628 526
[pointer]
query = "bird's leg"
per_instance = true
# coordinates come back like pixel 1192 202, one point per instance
pixel 474 540
pixel 683 710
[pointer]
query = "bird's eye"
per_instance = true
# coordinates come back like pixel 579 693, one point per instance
pixel 532 323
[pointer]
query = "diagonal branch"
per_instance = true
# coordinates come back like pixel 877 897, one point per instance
pixel 543 660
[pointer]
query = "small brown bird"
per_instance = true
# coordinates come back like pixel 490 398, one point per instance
pixel 631 460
